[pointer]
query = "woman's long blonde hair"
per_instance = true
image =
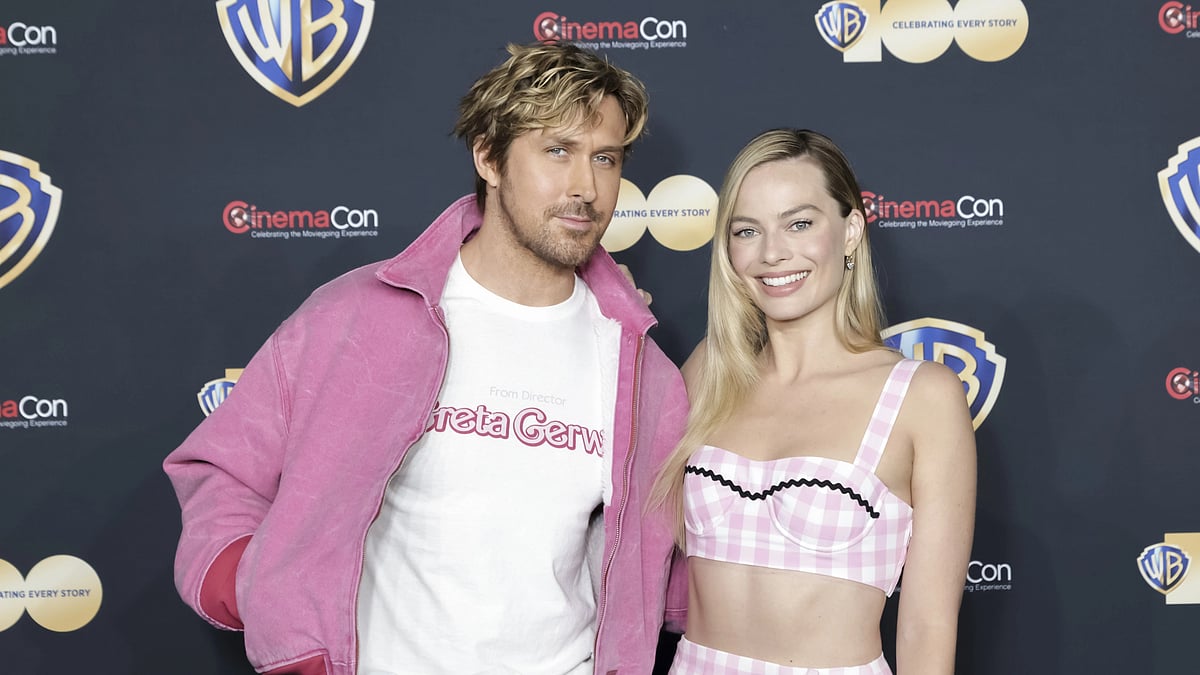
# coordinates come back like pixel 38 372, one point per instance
pixel 737 330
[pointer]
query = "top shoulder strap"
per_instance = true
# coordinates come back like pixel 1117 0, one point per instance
pixel 879 429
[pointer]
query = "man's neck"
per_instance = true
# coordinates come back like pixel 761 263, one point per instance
pixel 514 273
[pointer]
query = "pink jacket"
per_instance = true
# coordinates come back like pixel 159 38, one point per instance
pixel 279 485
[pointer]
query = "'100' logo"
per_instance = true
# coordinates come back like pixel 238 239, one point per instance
pixel 919 31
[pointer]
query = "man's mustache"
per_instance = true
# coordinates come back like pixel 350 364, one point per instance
pixel 579 211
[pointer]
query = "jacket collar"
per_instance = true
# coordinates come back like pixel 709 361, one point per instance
pixel 423 266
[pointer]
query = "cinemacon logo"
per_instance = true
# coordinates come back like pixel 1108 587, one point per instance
pixel 552 27
pixel 1176 17
pixel 33 408
pixel 1184 383
pixel 19 34
pixel 240 217
pixel 983 577
pixel 981 572
pixel 966 207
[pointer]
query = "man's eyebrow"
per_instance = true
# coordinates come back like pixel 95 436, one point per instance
pixel 555 139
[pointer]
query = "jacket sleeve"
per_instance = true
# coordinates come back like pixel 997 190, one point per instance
pixel 225 475
pixel 675 619
pixel 675 420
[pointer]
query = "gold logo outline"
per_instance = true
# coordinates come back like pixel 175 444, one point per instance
pixel 988 349
pixel 55 194
pixel 368 7
pixel 1189 196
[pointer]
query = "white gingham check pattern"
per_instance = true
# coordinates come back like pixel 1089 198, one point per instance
pixel 694 659
pixel 808 514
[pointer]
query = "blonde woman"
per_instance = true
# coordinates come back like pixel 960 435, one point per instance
pixel 817 462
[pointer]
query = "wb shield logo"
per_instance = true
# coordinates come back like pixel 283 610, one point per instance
pixel 1180 185
pixel 960 347
pixel 214 392
pixel 296 49
pixel 841 24
pixel 28 211
pixel 1163 566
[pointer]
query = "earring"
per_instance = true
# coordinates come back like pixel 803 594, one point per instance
pixel 850 262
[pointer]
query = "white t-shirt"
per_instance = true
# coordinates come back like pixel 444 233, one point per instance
pixel 478 559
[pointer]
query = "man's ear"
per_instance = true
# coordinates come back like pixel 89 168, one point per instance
pixel 485 166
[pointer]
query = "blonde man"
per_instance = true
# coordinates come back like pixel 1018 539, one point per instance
pixel 439 463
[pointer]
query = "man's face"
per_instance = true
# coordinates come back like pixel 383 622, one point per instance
pixel 557 191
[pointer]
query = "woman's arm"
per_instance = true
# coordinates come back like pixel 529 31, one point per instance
pixel 943 499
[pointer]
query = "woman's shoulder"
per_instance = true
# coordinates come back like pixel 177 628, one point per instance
pixel 936 402
pixel 935 383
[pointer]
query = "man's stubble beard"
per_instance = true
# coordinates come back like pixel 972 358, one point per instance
pixel 555 245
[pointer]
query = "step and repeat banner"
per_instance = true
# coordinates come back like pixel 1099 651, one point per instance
pixel 176 177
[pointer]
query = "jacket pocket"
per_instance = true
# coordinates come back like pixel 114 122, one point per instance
pixel 314 664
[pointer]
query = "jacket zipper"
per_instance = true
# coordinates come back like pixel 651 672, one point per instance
pixel 362 555
pixel 633 421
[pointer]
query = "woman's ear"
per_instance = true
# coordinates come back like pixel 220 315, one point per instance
pixel 855 224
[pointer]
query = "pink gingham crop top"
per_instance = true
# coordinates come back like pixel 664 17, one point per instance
pixel 806 514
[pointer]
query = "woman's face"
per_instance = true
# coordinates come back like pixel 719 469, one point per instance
pixel 787 239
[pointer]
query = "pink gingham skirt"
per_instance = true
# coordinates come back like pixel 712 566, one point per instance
pixel 694 659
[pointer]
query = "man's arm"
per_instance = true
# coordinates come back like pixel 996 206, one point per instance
pixel 675 619
pixel 226 474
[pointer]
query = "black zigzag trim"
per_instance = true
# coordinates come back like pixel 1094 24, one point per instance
pixel 794 482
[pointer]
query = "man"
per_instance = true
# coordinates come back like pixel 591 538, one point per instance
pixel 439 463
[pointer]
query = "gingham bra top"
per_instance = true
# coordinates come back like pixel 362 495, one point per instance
pixel 807 514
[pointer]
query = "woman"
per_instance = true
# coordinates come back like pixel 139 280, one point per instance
pixel 801 489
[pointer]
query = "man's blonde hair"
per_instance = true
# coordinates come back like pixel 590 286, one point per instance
pixel 541 86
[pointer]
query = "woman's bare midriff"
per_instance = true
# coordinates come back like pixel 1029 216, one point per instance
pixel 782 616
